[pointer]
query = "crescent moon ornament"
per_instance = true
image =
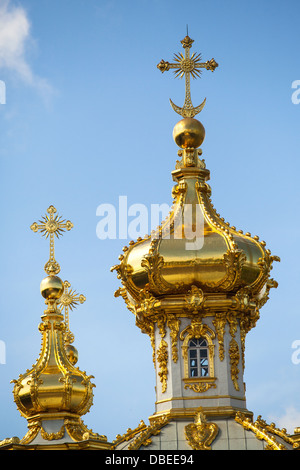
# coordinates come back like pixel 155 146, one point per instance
pixel 188 112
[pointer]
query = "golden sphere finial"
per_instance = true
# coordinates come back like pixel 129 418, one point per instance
pixel 188 133
pixel 52 287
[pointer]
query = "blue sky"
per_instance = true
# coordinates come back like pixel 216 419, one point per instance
pixel 87 119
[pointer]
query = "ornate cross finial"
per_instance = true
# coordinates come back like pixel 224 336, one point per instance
pixel 186 65
pixel 51 225
pixel 69 300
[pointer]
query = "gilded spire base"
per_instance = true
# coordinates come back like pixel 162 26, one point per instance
pixel 65 431
pixel 59 428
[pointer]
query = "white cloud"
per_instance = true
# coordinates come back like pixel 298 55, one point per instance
pixel 14 37
pixel 290 420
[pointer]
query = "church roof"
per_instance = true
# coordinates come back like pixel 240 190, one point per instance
pixel 241 432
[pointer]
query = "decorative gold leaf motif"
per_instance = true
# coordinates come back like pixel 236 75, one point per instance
pixel 265 432
pixel 219 323
pixel 174 323
pixel 194 299
pixel 144 438
pixel 200 387
pixel 52 435
pixel 234 360
pixel 78 431
pixel 153 262
pixel 201 433
pixel 162 359
pixel 10 441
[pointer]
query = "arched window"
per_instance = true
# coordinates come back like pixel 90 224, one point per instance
pixel 198 358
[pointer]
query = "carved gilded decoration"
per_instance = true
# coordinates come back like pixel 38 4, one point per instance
pixel 9 441
pixel 201 433
pixel 162 359
pixel 199 385
pixel 161 324
pixel 144 438
pixel 128 435
pixel 141 436
pixel 194 299
pixel 234 355
pixel 267 432
pixel 74 427
pixel 121 292
pixel 219 323
pixel 52 435
pixel 174 323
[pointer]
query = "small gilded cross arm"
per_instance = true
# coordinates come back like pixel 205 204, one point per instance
pixel 164 66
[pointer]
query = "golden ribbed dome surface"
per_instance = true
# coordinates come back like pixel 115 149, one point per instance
pixel 194 245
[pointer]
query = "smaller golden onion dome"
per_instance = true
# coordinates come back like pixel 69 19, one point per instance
pixel 54 384
pixel 52 287
pixel 188 133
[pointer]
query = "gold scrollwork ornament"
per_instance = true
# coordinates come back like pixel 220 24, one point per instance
pixel 162 359
pixel 201 433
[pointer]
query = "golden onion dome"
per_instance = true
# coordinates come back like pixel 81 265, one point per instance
pixel 194 245
pixel 53 384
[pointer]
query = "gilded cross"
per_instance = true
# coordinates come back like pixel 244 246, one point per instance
pixel 69 300
pixel 50 225
pixel 187 65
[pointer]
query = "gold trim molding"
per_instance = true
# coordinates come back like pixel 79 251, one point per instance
pixel 74 427
pixel 199 385
pixel 267 432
